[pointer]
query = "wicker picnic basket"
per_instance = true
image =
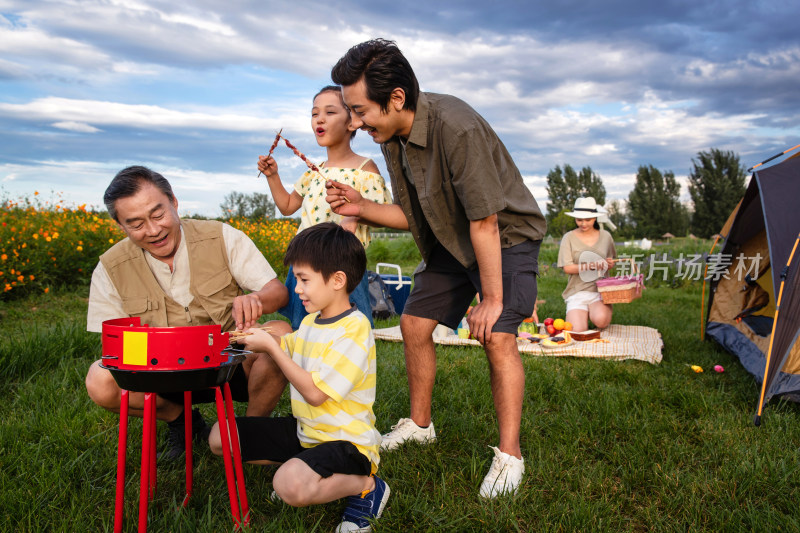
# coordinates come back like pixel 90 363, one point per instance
pixel 621 289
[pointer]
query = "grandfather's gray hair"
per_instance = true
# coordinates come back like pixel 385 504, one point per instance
pixel 129 181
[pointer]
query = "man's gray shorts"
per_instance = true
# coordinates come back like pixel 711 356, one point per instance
pixel 444 290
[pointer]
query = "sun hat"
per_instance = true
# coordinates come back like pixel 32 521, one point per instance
pixel 588 208
pixel 585 208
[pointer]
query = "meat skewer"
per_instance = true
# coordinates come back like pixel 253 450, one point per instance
pixel 272 148
pixel 299 154
pixel 237 335
pixel 311 165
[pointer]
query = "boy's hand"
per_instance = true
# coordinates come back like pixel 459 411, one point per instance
pixel 267 165
pixel 343 199
pixel 259 340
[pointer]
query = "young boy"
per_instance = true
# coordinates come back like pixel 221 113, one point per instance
pixel 329 447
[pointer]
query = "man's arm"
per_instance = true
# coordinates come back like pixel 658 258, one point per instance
pixel 346 201
pixel 248 308
pixel 485 236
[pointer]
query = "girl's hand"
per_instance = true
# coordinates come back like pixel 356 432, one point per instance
pixel 267 165
pixel 343 199
pixel 260 341
pixel 611 262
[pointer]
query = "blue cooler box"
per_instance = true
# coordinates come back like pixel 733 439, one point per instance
pixel 399 285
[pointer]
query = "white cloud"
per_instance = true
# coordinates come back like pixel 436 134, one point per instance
pixel 67 111
pixel 600 149
pixel 35 44
pixel 76 126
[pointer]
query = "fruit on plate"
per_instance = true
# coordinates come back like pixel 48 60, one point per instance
pixel 559 340
pixel 531 337
pixel 559 324
pixel 550 329
pixel 550 343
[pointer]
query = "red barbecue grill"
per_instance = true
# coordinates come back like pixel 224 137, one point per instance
pixel 156 360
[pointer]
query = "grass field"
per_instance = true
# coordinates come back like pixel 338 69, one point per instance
pixel 609 446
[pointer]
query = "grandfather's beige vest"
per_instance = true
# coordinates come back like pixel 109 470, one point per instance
pixel 212 283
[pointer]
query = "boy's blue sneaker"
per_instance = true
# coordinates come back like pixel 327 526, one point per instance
pixel 360 510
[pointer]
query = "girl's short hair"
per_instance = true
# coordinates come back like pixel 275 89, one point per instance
pixel 327 248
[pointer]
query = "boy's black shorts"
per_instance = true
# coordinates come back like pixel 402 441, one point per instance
pixel 445 289
pixel 275 439
pixel 238 384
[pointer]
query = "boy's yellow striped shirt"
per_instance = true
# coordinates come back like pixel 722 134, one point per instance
pixel 340 355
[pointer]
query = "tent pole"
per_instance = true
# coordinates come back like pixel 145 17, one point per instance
pixel 773 157
pixel 757 420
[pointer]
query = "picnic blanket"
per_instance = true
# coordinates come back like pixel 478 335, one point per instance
pixel 624 342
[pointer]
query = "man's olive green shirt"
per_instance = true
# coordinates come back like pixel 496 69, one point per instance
pixel 459 171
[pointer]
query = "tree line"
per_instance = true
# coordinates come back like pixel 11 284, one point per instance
pixel 653 208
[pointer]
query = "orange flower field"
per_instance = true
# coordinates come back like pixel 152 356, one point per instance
pixel 272 237
pixel 45 244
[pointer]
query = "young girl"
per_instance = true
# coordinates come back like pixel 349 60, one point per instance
pixel 330 121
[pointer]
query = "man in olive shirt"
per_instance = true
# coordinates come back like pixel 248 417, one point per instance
pixel 475 222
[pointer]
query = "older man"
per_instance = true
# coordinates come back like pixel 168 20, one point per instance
pixel 173 272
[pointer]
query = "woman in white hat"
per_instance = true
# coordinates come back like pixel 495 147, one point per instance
pixel 586 254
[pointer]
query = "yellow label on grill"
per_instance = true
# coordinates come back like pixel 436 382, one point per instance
pixel 134 348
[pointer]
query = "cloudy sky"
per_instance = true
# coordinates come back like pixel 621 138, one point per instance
pixel 196 90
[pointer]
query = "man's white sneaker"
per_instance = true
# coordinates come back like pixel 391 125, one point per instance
pixel 505 475
pixel 407 430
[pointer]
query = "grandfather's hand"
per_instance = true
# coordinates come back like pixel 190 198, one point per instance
pixel 482 319
pixel 247 309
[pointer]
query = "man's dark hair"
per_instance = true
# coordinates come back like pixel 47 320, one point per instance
pixel 129 181
pixel 383 67
pixel 327 248
pixel 338 90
